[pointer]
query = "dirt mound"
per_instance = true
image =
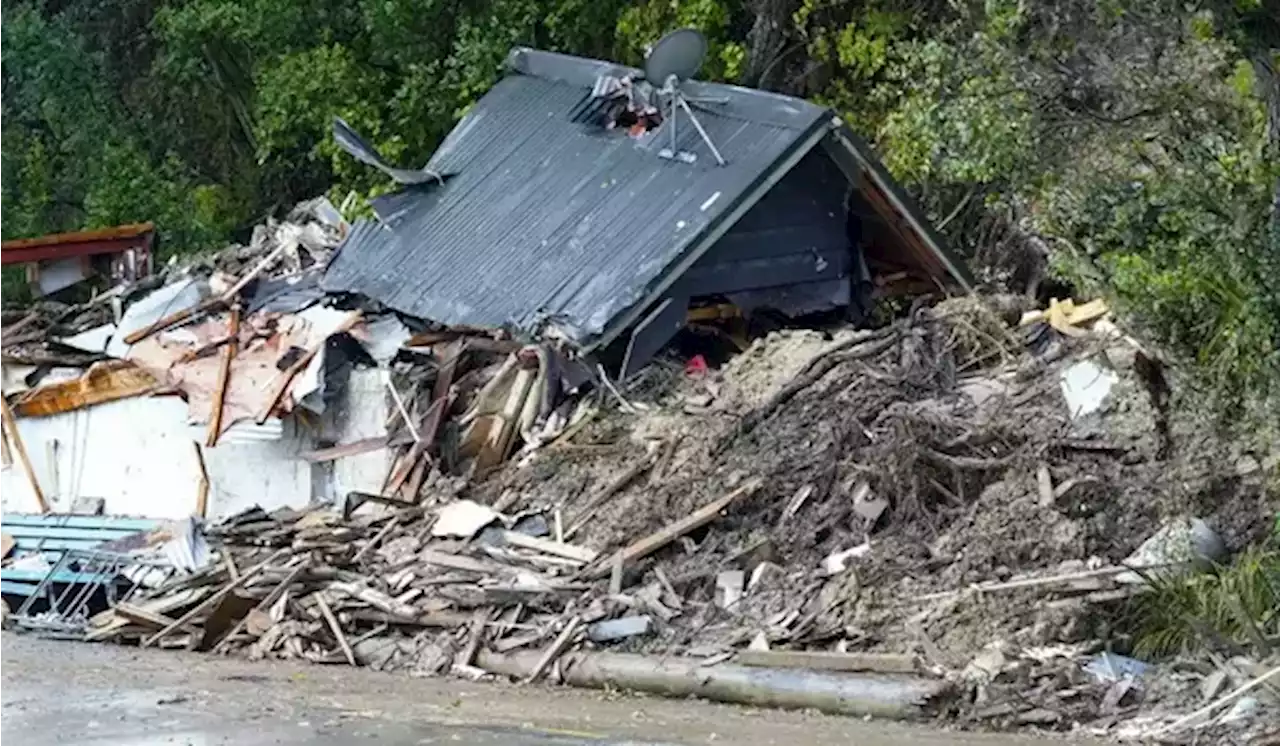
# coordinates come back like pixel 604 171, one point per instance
pixel 986 465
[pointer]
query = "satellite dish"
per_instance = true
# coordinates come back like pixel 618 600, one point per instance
pixel 674 59
pixel 679 53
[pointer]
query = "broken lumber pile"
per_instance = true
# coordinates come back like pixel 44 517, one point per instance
pixel 458 588
pixel 397 585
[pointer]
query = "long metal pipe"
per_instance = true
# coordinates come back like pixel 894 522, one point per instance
pixel 878 695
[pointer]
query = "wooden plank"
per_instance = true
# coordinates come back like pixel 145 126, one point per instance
pixel 202 491
pixel 475 636
pixel 224 379
pixel 11 427
pixel 616 575
pixel 112 623
pixel 614 487
pixel 433 418
pixel 1020 583
pixel 409 491
pixel 826 661
pixel 263 605
pixel 103 382
pixel 173 319
pixel 209 602
pixel 547 546
pixel 336 629
pixel 555 650
pixel 354 448
pixel 213 303
pixel 375 541
pixel 670 533
pixel 144 617
pixel 458 562
pixel 410 460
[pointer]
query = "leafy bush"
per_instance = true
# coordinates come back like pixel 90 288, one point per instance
pixel 1234 607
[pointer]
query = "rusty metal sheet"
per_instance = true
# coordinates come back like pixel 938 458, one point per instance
pixel 132 230
pixel 117 240
pixel 187 359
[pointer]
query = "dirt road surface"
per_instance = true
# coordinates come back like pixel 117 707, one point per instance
pixel 75 693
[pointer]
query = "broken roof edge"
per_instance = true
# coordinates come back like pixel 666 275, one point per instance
pixel 821 129
pixel 118 232
pixel 832 129
pixel 870 164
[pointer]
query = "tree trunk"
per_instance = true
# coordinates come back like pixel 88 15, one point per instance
pixel 1268 81
pixel 768 44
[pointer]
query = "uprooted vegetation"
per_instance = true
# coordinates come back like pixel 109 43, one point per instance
pixel 984 473
pixel 958 498
pixel 1233 608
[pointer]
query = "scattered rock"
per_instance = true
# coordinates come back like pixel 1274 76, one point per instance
pixel 987 665
pixel 1211 686
pixel 1180 542
pixel 766 575
pixel 1241 712
pixel 838 562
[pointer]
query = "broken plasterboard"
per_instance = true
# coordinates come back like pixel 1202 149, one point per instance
pixel 1086 386
pixel 169 299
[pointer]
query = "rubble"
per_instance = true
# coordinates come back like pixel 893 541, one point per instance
pixel 951 499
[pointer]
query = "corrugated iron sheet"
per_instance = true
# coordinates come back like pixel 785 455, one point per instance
pixel 550 217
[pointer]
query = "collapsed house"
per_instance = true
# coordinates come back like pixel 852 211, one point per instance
pixel 565 212
pixel 538 216
pixel 918 519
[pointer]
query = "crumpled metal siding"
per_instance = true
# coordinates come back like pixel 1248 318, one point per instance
pixel 551 219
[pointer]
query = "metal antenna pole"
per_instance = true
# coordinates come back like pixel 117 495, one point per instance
pixel 671 84
pixel 698 126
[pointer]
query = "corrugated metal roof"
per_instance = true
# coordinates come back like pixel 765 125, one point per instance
pixel 549 218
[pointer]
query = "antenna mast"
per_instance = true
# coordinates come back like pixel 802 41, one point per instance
pixel 675 58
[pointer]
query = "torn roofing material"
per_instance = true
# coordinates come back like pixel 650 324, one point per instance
pixel 552 219
pixel 362 151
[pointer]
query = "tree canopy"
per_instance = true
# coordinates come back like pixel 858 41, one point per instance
pixel 1131 147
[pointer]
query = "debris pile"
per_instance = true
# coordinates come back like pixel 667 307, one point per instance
pixel 962 500
pixel 256 351
pixel 931 499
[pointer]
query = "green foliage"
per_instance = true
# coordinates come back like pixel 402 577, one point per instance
pixel 645 22
pixel 128 188
pixel 1138 139
pixel 297 96
pixel 1177 232
pixel 1232 607
pixel 956 114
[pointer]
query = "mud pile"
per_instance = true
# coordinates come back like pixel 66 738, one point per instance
pixel 899 468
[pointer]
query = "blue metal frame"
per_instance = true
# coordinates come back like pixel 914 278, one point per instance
pixel 54 536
